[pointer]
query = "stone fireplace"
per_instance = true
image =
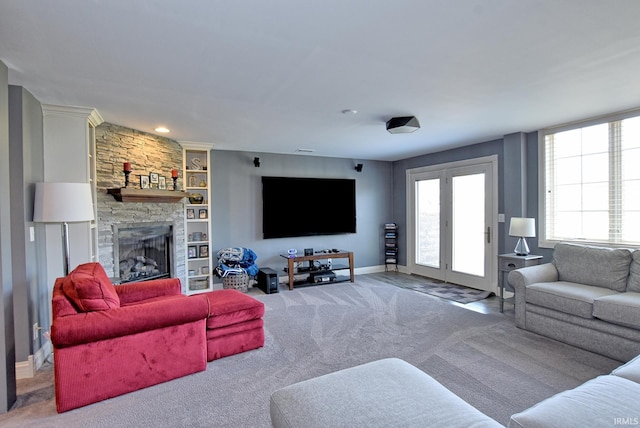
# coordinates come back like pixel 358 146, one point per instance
pixel 147 153
pixel 143 251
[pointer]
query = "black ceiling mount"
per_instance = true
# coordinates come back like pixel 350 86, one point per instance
pixel 403 125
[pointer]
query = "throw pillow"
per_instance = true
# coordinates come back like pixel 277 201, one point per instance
pixel 633 284
pixel 89 288
pixel 588 265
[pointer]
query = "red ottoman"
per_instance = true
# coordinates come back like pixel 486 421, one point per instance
pixel 234 323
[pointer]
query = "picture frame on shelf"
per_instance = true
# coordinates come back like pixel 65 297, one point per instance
pixel 191 213
pixel 202 213
pixel 144 181
pixel 192 252
pixel 203 251
pixel 162 182
pixel 197 236
pixel 154 177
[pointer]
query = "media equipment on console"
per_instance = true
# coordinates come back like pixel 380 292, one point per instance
pixel 309 252
pixel 320 277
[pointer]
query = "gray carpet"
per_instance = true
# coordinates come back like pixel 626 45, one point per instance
pixel 445 290
pixel 484 359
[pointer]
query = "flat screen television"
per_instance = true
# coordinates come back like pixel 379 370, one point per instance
pixel 307 206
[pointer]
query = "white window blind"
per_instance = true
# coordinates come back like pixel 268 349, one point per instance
pixel 592 181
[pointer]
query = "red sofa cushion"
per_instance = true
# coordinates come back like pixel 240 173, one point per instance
pixel 227 307
pixel 137 292
pixel 89 288
pixel 96 326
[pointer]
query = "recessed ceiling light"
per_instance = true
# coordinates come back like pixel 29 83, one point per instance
pixel 305 150
pixel 162 129
pixel 349 111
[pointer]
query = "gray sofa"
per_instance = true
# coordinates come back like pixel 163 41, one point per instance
pixel 393 393
pixel 587 296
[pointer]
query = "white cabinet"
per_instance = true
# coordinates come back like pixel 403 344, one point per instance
pixel 69 156
pixel 197 183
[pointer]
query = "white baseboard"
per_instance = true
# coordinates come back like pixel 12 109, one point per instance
pixel 368 269
pixel 27 369
pixel 379 268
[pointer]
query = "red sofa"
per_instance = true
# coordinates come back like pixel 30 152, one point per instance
pixel 110 340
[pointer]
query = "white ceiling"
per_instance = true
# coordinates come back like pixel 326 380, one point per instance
pixel 274 75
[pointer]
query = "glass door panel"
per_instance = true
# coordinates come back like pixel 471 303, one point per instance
pixel 468 224
pixel 428 222
pixel 453 214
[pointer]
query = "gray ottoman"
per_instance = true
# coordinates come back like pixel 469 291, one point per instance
pixel 384 393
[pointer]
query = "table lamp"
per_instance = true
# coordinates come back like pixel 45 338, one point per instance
pixel 522 228
pixel 63 203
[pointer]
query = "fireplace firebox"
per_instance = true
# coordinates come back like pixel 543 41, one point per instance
pixel 143 251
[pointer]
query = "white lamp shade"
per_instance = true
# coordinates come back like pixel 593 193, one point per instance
pixel 522 227
pixel 62 202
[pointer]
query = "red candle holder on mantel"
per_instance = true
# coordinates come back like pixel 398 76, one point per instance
pixel 174 176
pixel 127 170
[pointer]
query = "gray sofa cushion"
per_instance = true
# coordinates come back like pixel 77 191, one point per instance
pixel 630 370
pixel 596 403
pixel 597 266
pixel 620 308
pixel 633 283
pixel 567 297
pixel 384 393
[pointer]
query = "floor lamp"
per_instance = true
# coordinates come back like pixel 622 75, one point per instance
pixel 522 228
pixel 63 203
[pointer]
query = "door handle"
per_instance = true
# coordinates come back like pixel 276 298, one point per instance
pixel 489 235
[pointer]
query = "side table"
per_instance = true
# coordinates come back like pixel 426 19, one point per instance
pixel 509 262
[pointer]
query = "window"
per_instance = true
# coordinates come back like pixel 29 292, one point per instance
pixel 591 182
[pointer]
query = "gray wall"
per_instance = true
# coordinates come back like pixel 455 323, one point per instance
pixel 237 205
pixel 30 293
pixel 7 345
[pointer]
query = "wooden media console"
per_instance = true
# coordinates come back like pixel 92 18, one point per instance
pixel 326 255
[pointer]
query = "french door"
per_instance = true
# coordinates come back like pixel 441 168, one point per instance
pixel 452 221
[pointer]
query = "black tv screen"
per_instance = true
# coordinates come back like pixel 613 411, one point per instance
pixel 307 206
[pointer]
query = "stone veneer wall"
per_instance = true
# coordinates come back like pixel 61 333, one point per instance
pixel 147 153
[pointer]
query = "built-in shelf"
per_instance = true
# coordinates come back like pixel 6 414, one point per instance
pixel 126 194
pixel 197 218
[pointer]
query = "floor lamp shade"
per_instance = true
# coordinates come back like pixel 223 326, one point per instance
pixel 522 228
pixel 63 203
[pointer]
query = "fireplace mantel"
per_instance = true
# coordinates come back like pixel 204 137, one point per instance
pixel 126 194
